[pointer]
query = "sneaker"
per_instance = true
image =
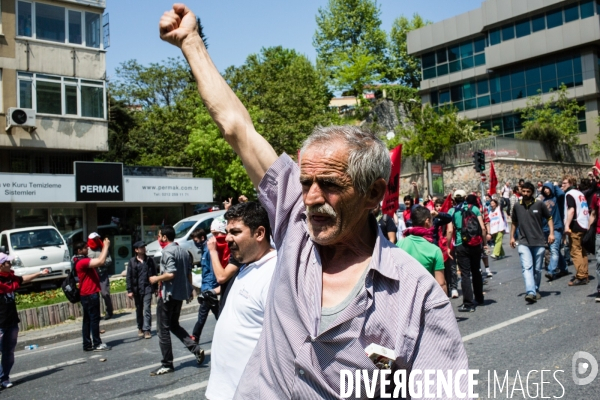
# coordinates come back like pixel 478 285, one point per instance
pixel 199 356
pixel 454 294
pixel 530 298
pixel 494 257
pixel 489 274
pixel 464 308
pixel 162 370
pixel 102 347
pixel 598 297
pixel 140 333
pixel 538 296
pixel 88 349
pixel 7 384
pixel 147 335
pixel 579 282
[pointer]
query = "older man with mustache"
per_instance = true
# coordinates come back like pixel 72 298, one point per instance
pixel 339 285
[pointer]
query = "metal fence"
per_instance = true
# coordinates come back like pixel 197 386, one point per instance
pixel 499 147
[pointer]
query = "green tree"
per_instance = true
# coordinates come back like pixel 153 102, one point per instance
pixel 403 67
pixel 350 44
pixel 552 121
pixel 429 132
pixel 121 122
pixel 292 96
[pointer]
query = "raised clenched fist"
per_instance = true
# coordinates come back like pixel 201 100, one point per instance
pixel 177 25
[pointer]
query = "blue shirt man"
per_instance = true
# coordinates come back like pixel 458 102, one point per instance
pixel 554 201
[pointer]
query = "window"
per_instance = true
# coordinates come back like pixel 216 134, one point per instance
pixel 58 24
pixel 587 9
pixel 572 13
pixel 508 32
pixel 57 95
pixel 441 56
pixel 494 37
pixel 461 56
pixel 554 19
pixel 428 60
pixel 523 28
pixel 538 23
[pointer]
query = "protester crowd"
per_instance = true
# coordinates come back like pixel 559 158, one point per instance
pixel 293 278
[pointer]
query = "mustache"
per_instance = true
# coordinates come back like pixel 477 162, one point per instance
pixel 321 209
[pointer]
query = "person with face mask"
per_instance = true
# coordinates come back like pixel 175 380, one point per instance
pixel 528 215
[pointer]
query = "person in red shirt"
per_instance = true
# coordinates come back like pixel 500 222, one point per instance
pixel 89 289
pixel 9 318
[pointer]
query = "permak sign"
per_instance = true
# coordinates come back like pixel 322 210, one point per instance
pixel 98 181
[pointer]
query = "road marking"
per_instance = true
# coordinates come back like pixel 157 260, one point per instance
pixel 502 325
pixel 182 390
pixel 48 368
pixel 133 371
pixel 38 351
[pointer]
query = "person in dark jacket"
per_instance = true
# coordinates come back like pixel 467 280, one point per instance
pixel 140 268
pixel 557 266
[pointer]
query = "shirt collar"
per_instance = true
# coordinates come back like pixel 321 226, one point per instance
pixel 261 261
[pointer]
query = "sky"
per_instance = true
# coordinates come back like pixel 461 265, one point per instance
pixel 238 28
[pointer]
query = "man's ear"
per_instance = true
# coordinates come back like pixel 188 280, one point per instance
pixel 375 193
pixel 260 233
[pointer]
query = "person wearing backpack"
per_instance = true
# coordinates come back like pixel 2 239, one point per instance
pixel 528 215
pixel 467 230
pixel 89 289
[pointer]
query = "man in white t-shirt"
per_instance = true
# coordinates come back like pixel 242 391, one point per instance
pixel 241 321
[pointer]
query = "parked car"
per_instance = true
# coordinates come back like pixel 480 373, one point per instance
pixel 183 229
pixel 37 248
pixel 206 207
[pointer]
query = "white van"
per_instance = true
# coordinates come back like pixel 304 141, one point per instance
pixel 37 248
pixel 183 229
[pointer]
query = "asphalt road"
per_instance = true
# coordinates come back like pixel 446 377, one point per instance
pixel 504 335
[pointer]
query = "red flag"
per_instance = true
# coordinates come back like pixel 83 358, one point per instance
pixel 493 179
pixel 390 200
pixel 447 204
pixel 597 166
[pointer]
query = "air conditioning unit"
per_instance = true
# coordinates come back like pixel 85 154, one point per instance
pixel 22 117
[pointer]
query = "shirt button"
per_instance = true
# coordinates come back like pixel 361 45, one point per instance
pixel 301 372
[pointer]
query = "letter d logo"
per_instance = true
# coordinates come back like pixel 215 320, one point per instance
pixel 581 367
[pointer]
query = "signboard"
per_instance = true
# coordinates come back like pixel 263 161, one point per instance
pixel 152 189
pixel 28 188
pixel 436 176
pixel 98 181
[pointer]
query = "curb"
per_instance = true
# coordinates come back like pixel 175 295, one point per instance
pixel 75 331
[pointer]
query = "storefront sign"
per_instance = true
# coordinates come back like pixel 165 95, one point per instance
pixel 28 188
pixel 436 179
pixel 151 189
pixel 98 181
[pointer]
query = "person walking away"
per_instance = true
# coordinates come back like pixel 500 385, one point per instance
pixel 557 266
pixel 472 199
pixel 95 248
pixel 440 222
pixel 467 250
pixel 9 317
pixel 528 215
pixel 139 270
pixel 89 290
pixel 209 290
pixel 418 242
pixel 498 226
pixel 175 287
pixel 576 224
pixel 241 321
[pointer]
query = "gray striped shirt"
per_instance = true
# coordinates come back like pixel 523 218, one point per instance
pixel 403 308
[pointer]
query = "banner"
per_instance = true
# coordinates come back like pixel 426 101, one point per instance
pixel 493 179
pixel 597 165
pixel 390 200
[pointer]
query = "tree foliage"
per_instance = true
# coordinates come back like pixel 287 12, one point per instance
pixel 403 67
pixel 553 121
pixel 290 93
pixel 350 44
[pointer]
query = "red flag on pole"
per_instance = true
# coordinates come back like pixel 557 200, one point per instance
pixel 597 166
pixel 447 204
pixel 390 200
pixel 493 179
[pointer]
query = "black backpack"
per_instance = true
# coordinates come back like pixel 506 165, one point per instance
pixel 470 231
pixel 69 285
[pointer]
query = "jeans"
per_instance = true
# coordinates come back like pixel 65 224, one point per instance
pixel 91 321
pixel 450 274
pixel 579 256
pixel 143 314
pixel 105 291
pixel 8 343
pixel 557 261
pixel 532 259
pixel 203 311
pixel 167 316
pixel 498 249
pixel 469 261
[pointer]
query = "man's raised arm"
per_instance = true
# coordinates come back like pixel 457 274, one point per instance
pixel 178 27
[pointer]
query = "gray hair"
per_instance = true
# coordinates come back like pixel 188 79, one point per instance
pixel 368 157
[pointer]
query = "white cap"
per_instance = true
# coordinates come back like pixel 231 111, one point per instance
pixel 460 193
pixel 93 235
pixel 219 225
